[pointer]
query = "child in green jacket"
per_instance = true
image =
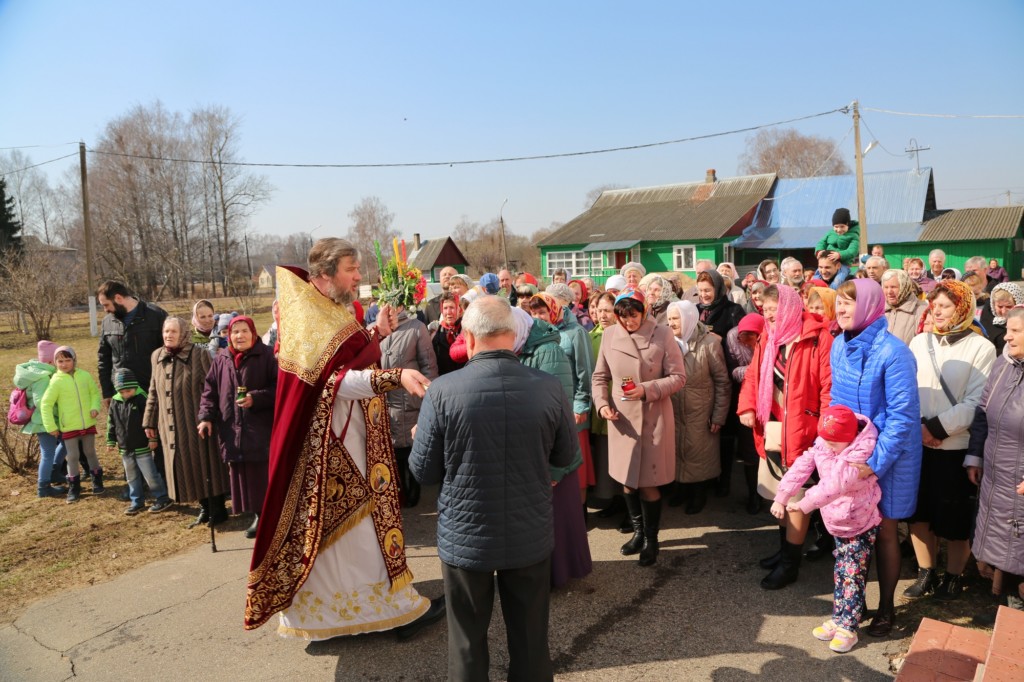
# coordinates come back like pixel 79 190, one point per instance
pixel 73 398
pixel 844 238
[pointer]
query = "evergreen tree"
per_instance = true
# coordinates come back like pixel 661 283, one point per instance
pixel 10 227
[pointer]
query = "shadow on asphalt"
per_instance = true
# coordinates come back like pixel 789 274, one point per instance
pixel 698 614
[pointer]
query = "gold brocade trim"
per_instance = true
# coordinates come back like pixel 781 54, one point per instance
pixel 385 380
pixel 312 327
pixel 313 634
pixel 326 498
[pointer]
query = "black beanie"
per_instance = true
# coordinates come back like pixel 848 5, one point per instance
pixel 841 216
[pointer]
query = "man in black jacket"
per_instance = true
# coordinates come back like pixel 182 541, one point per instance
pixel 130 332
pixel 491 431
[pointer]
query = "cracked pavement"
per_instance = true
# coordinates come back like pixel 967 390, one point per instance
pixel 699 614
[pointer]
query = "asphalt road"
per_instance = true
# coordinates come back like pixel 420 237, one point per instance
pixel 699 614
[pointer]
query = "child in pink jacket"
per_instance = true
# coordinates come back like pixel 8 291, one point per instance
pixel 849 508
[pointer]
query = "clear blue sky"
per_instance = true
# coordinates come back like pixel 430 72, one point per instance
pixel 398 82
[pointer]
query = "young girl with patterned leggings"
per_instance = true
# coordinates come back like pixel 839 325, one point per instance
pixel 849 508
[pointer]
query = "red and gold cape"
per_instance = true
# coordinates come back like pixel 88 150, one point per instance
pixel 316 493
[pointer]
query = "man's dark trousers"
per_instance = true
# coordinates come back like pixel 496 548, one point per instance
pixel 525 600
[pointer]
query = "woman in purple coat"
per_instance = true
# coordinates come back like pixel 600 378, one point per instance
pixel 239 398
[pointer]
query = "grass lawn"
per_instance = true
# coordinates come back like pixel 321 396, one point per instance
pixel 47 545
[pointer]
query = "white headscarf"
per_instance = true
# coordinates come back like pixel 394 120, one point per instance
pixel 524 323
pixel 688 317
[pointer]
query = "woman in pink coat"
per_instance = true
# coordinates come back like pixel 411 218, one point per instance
pixel 639 367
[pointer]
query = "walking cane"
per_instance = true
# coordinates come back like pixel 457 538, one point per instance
pixel 209 495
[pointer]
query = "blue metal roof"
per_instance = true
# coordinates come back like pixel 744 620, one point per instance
pixel 799 210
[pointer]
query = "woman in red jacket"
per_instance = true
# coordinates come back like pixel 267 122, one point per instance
pixel 787 386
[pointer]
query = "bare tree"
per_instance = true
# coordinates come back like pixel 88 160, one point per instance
pixel 371 222
pixel 40 283
pixel 791 154
pixel 594 194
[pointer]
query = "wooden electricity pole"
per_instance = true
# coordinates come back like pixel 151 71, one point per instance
pixel 859 159
pixel 90 283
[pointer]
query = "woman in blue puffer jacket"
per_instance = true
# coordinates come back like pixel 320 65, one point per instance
pixel 875 374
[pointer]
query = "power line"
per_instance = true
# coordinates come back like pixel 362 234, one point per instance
pixel 907 113
pixel 987 196
pixel 422 164
pixel 41 163
pixel 816 170
pixel 38 146
pixel 875 138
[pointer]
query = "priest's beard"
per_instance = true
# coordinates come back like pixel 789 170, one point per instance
pixel 340 297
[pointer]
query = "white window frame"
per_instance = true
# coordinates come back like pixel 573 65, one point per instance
pixel 678 257
pixel 577 263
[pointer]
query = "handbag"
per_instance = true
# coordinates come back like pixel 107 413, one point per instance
pixel 773 437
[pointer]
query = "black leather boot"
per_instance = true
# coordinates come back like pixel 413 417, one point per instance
pixel 788 569
pixel 699 498
pixel 204 515
pixel 652 524
pixel 250 532
pixel 770 562
pixel 636 516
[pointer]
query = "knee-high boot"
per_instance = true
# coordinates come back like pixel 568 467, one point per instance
pixel 652 524
pixel 636 516
pixel 772 561
pixel 787 570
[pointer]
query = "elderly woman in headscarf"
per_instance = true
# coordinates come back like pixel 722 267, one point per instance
pixel 904 308
pixel 916 271
pixel 605 488
pixel 717 310
pixel 639 367
pixel 993 316
pixel 755 297
pixel 579 304
pixel 552 307
pixel 953 365
pixel 736 293
pixel 203 323
pixel 994 450
pixel 633 272
pixel 822 301
pixel 172 407
pixel 537 345
pixel 768 270
pixel 786 387
pixel 874 374
pixel 238 401
pixel 701 408
pixel 659 293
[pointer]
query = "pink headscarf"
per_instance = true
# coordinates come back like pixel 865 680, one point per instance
pixel 870 303
pixel 789 322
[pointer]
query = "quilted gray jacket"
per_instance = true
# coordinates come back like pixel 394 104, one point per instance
pixel 489 433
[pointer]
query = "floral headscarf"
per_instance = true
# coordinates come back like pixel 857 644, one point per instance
pixel 554 307
pixel 789 322
pixel 827 297
pixel 908 287
pixel 1014 290
pixel 962 297
pixel 688 316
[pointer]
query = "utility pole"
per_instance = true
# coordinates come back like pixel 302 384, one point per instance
pixel 501 221
pixel 90 283
pixel 914 148
pixel 859 159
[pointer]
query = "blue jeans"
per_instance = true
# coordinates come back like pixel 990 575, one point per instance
pixel 51 455
pixel 138 467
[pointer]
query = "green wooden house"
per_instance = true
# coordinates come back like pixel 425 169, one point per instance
pixel 666 228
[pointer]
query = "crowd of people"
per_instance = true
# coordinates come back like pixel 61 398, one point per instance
pixel 855 396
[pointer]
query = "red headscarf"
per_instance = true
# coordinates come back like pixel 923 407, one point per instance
pixel 584 294
pixel 237 355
